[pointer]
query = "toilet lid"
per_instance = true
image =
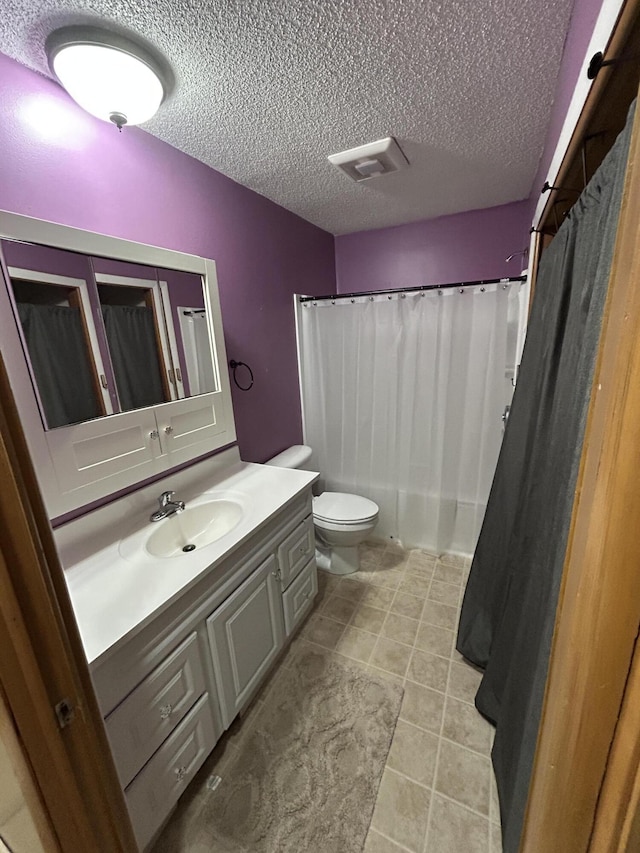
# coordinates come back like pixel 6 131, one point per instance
pixel 339 506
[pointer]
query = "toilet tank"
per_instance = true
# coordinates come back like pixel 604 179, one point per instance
pixel 293 457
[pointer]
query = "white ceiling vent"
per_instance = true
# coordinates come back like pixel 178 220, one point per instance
pixel 370 161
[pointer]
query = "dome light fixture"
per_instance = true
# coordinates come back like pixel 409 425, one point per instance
pixel 108 74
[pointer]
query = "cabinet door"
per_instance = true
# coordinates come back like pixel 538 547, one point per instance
pixel 189 427
pixel 120 449
pixel 246 633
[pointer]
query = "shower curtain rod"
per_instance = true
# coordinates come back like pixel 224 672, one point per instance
pixel 411 289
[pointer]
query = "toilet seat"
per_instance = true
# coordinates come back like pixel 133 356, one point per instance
pixel 344 509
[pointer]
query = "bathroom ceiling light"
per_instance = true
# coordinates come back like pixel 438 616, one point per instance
pixel 107 74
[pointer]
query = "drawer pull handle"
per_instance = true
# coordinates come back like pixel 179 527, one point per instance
pixel 165 712
pixel 180 772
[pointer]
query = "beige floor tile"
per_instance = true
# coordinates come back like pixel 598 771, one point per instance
pixel 463 776
pixel 466 726
pixel 391 656
pixel 401 810
pixel 368 618
pixel 377 843
pixel 421 563
pixel 457 560
pixel 438 641
pixel 340 609
pixel 440 614
pixel 445 593
pixel 326 582
pixel 369 558
pixel 356 644
pixel 350 589
pixel 413 753
pixel 417 585
pixel 378 596
pixel 322 631
pixel 454 829
pixel 428 670
pixel 387 579
pixel 393 559
pixel 448 574
pixel 388 676
pixel 422 707
pixel 400 628
pixel 407 605
pixel 496 838
pixel 464 681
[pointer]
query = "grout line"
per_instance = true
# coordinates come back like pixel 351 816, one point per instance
pixel 388 838
pixel 437 762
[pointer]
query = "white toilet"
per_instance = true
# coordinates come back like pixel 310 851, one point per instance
pixel 342 521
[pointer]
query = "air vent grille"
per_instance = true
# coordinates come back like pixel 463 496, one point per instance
pixel 370 161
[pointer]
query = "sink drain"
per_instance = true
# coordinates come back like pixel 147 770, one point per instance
pixel 188 548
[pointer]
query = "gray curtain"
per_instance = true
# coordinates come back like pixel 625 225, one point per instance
pixel 58 353
pixel 509 607
pixel 131 336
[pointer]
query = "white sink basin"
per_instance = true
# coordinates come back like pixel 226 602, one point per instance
pixel 193 528
pixel 186 532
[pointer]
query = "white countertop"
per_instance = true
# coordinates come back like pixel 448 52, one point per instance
pixel 114 597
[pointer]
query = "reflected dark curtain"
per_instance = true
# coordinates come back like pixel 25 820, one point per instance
pixel 55 338
pixel 508 612
pixel 131 335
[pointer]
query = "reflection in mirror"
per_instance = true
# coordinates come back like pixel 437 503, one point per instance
pixel 130 303
pixel 50 293
pixel 189 332
pixel 104 336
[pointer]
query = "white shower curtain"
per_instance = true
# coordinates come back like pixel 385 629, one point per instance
pixel 194 328
pixel 402 401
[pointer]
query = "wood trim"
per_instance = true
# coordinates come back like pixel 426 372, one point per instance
pixel 619 37
pixel 617 824
pixel 42 662
pixel 598 613
pixel 25 778
pixel 75 301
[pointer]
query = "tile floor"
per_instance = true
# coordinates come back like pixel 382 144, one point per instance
pixel 397 617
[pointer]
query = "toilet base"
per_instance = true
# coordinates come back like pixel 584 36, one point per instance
pixel 338 561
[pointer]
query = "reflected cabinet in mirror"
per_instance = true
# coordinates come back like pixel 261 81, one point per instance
pixel 103 336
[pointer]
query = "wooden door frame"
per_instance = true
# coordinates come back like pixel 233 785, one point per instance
pixel 42 662
pixel 588 737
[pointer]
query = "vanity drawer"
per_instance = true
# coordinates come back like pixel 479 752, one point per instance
pixel 138 726
pixel 295 551
pixel 297 600
pixel 158 786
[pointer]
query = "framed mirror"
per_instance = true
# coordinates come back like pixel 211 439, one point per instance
pixel 114 352
pixel 103 336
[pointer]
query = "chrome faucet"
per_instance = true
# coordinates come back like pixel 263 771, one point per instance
pixel 167 507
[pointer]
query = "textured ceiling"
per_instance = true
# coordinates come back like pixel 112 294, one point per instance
pixel 266 89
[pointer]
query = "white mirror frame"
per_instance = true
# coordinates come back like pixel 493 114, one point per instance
pixel 58 498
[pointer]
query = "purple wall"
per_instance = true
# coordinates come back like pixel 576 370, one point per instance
pixel 61 164
pixel 463 247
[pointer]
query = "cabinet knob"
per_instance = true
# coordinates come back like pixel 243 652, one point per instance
pixel 165 712
pixel 154 435
pixel 180 772
pixel 168 430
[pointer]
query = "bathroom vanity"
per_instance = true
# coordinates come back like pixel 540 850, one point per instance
pixel 115 354
pixel 178 645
